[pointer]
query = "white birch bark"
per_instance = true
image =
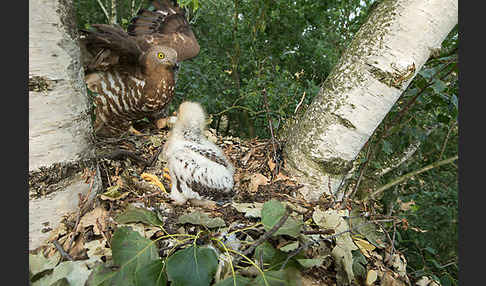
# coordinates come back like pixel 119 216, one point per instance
pixel 59 122
pixel 114 17
pixel 384 56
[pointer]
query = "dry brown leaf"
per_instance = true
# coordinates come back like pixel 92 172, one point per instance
pixel 271 164
pixel 166 122
pixel 245 159
pixel 283 177
pixel 257 180
pixel 90 219
pixel 406 206
pixel 388 280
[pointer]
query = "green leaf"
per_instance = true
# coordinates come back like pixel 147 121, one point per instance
pixel 453 100
pixel 308 263
pixel 427 73
pixel 133 214
pixel 38 263
pixel 192 266
pixel 430 250
pixel 132 253
pixel 359 263
pixel 285 277
pixel 289 247
pixel 274 257
pixel 238 280
pixel 443 118
pixel 100 276
pixel 200 218
pixel 269 254
pixel 61 282
pixel 145 275
pixel 438 86
pixel 76 273
pixel 387 147
pixel 272 211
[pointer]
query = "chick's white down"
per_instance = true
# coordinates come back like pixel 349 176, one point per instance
pixel 198 168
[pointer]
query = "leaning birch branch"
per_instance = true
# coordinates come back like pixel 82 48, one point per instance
pixel 397 161
pixel 411 174
pixel 104 11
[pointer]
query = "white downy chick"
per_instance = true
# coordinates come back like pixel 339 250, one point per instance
pixel 198 168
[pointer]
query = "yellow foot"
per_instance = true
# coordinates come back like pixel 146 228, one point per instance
pixel 165 175
pixel 153 180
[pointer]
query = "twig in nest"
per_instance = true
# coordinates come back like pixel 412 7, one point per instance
pixel 119 154
pixel 306 245
pixel 61 250
pixel 319 231
pixel 81 211
pixel 154 159
pixel 276 170
pixel 98 224
pixel 266 235
pixel 269 233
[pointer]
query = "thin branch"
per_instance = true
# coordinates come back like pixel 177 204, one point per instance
pixel 120 153
pixel 104 11
pixel 81 211
pixel 395 162
pixel 238 107
pixel 300 102
pixel 62 251
pixel 446 139
pixel 411 174
pixel 154 159
pixel 264 92
pixel 269 233
pixel 306 245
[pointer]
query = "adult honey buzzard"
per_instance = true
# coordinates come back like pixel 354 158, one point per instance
pixel 133 72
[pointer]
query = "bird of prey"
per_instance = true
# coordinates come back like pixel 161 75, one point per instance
pixel 198 168
pixel 132 72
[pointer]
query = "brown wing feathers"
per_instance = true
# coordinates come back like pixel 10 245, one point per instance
pixel 113 38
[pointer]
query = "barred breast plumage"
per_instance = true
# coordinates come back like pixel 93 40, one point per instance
pixel 132 73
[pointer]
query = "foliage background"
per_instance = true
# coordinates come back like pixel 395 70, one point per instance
pixel 288 48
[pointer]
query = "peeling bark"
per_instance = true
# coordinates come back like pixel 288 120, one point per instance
pixel 384 56
pixel 60 144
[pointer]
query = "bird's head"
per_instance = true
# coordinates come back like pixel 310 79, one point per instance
pixel 159 56
pixel 190 116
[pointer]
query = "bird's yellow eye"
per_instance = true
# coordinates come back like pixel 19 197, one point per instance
pixel 160 55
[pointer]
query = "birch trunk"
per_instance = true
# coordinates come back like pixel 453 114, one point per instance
pixel 113 17
pixel 384 56
pixel 59 120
